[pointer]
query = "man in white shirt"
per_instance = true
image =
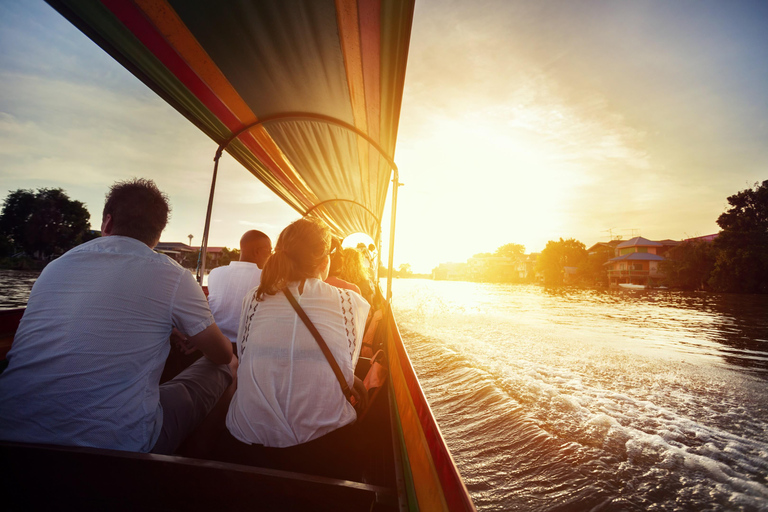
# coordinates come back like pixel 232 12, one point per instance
pixel 227 286
pixel 86 361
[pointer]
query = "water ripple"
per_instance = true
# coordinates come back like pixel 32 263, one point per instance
pixel 572 402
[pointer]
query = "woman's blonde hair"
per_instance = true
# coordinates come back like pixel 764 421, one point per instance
pixel 300 250
pixel 354 270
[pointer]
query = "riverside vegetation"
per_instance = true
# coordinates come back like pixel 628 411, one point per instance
pixel 36 227
pixel 736 261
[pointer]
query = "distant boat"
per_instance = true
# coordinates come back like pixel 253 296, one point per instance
pixel 630 286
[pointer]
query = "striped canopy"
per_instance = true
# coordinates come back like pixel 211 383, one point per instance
pixel 306 93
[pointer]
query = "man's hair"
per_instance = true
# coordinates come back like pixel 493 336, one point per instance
pixel 138 209
pixel 250 238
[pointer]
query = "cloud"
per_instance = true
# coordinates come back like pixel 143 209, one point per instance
pixel 521 122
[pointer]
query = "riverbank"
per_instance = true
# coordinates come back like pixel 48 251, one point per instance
pixel 22 263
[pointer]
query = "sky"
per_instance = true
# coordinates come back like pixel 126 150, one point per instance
pixel 522 122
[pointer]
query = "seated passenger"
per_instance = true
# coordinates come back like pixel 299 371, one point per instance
pixel 356 272
pixel 368 259
pixel 227 286
pixel 287 391
pixel 337 263
pixel 85 365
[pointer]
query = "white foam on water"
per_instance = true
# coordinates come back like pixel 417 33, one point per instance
pixel 667 414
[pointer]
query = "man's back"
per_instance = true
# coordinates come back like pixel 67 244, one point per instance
pixel 227 286
pixel 88 355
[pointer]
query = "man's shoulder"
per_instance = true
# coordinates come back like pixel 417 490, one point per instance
pixel 217 271
pixel 121 249
pixel 236 271
pixel 237 268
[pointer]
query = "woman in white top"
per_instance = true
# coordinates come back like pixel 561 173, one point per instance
pixel 287 391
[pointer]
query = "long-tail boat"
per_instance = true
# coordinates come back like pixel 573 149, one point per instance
pixel 306 95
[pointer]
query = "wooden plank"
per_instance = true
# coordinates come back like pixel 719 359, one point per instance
pixel 47 477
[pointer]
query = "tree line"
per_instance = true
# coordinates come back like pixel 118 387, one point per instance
pixel 41 225
pixel 736 261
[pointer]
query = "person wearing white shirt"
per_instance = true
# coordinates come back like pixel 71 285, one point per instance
pixel 227 286
pixel 86 361
pixel 287 391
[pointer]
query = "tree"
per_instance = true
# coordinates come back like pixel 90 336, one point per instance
pixel 742 261
pixel 44 223
pixel 191 259
pixel 689 265
pixel 592 270
pixel 511 250
pixel 404 270
pixel 558 255
pixel 228 256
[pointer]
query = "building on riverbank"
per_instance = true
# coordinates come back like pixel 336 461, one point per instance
pixel 175 250
pixel 636 262
pixel 489 268
pixel 450 272
pixel 181 252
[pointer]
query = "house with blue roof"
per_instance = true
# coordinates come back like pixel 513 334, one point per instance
pixel 637 262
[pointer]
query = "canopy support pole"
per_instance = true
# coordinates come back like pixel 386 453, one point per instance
pixel 305 116
pixel 395 185
pixel 204 243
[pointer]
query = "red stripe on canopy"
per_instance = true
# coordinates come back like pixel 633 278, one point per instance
pixel 135 20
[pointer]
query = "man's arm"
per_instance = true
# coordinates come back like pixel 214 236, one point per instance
pixel 212 343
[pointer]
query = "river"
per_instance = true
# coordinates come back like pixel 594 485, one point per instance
pixel 580 400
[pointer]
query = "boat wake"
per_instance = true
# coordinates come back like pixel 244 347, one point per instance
pixel 538 421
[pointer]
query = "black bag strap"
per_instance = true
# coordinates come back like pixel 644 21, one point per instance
pixel 320 341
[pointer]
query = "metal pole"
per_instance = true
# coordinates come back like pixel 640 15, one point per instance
pixel 204 241
pixel 379 259
pixel 395 185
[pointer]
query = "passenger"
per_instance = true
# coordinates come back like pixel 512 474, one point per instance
pixel 287 391
pixel 337 264
pixel 87 357
pixel 367 253
pixel 227 286
pixel 356 272
pixel 372 259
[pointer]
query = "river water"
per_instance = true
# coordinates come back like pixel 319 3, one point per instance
pixel 578 400
pixel 15 286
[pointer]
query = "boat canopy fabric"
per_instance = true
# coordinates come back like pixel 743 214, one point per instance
pixel 319 83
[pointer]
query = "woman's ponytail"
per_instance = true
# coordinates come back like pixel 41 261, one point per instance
pixel 300 249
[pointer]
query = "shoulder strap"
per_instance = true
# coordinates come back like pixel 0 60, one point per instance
pixel 320 341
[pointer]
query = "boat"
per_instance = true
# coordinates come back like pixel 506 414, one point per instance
pixel 631 286
pixel 306 96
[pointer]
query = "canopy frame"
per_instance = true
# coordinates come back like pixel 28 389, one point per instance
pixel 378 220
pixel 305 116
